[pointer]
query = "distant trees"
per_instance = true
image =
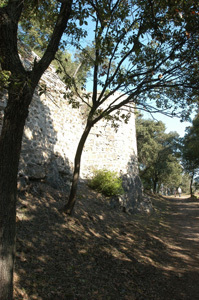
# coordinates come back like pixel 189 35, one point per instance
pixel 186 182
pixel 190 151
pixel 158 155
pixel 165 158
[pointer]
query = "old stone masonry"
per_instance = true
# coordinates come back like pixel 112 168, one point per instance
pixel 51 135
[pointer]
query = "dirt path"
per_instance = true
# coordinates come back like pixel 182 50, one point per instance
pixel 182 218
pixel 102 253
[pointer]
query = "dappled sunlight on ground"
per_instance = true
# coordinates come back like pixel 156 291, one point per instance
pixel 103 253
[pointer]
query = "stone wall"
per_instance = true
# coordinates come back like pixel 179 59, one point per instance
pixel 52 132
pixel 53 129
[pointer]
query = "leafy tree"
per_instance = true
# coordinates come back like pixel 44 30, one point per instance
pixel 146 51
pixel 157 154
pixel 20 86
pixel 186 179
pixel 171 176
pixel 190 150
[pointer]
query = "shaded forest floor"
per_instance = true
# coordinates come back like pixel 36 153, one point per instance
pixel 102 253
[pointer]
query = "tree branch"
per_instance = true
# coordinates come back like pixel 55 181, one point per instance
pixel 9 18
pixel 61 24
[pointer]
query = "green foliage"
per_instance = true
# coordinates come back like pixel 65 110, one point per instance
pixel 186 182
pixel 106 182
pixel 142 50
pixel 73 71
pixel 191 146
pixel 3 3
pixel 36 27
pixel 158 154
pixel 37 23
pixel 4 79
pixel 190 152
pixel 138 48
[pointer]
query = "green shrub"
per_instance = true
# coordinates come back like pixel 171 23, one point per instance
pixel 106 182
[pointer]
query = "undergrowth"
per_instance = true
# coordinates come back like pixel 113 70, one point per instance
pixel 106 182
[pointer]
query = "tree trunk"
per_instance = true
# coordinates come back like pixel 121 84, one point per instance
pixel 155 186
pixel 10 146
pixel 68 208
pixel 20 95
pixel 191 185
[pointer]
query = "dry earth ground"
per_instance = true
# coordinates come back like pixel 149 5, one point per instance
pixel 102 253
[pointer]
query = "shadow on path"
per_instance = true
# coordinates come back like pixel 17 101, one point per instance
pixel 102 253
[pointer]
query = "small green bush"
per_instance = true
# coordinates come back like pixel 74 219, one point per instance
pixel 106 182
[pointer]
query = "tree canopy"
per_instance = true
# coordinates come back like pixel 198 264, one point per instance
pixel 191 144
pixel 148 51
pixel 34 33
pixel 190 152
pixel 158 155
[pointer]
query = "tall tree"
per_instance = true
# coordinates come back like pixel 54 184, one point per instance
pixel 148 52
pixel 20 85
pixel 158 155
pixel 190 150
pixel 186 179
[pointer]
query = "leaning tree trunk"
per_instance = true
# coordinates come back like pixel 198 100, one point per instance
pixel 10 146
pixel 68 208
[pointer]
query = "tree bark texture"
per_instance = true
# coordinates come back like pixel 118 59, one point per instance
pixel 191 185
pixel 68 208
pixel 20 92
pixel 10 142
pixel 154 186
pixel 10 146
